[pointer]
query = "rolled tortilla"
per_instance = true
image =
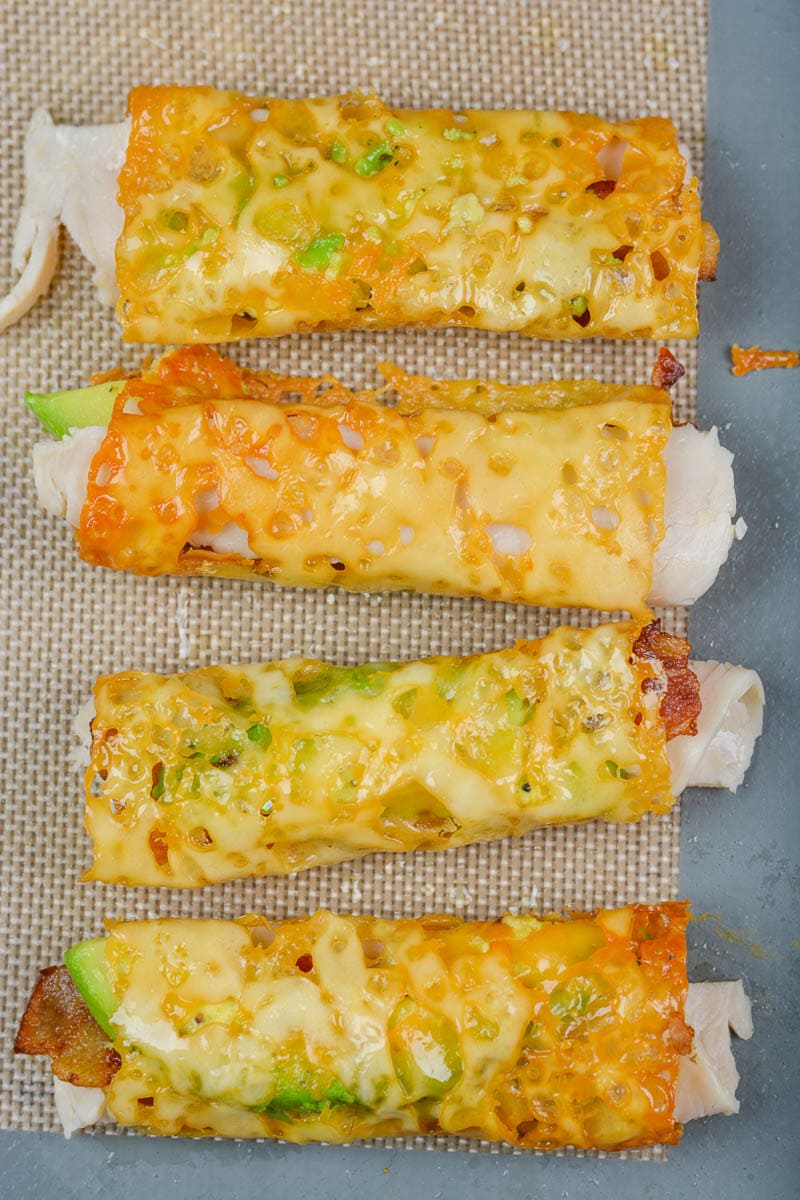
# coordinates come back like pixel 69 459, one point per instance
pixel 550 494
pixel 542 1033
pixel 342 212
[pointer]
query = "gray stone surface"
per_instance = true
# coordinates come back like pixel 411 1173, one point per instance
pixel 740 854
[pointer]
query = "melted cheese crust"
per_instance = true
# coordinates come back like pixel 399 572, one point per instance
pixel 539 1033
pixel 227 772
pixel 559 505
pixel 247 217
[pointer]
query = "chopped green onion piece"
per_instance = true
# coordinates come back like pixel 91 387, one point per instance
pixel 619 772
pixel 394 127
pixel 207 238
pixel 572 999
pixel 520 711
pixel 375 160
pixel 449 680
pixel 319 253
pixel 260 733
pixel 458 135
pixel 466 210
pixel 242 186
pixel 576 306
pixel 280 181
pixel 404 703
pixel 372 234
pixel 331 681
pixel 338 151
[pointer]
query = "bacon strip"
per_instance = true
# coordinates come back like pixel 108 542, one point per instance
pixel 58 1023
pixel 681 704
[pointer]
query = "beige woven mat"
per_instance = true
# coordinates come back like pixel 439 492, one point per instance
pixel 63 622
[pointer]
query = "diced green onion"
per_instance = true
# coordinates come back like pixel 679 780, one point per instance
pixel 576 306
pixel 260 733
pixel 319 253
pixel 571 1000
pixel 375 160
pixel 242 186
pixel 404 703
pixel 331 681
pixel 338 151
pixel 280 181
pixel 458 135
pixel 520 711
pixel 394 127
pixel 619 772
pixel 207 238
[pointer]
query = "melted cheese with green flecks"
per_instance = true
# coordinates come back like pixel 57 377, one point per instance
pixel 247 217
pixel 226 772
pixel 537 1032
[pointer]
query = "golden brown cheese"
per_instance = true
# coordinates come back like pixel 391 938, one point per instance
pixel 753 358
pixel 226 772
pixel 540 1033
pixel 247 216
pixel 560 505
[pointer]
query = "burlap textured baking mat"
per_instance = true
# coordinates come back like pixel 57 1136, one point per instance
pixel 63 622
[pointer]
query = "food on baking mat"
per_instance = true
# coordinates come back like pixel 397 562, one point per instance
pixel 561 493
pixel 542 1033
pixel 753 358
pixel 242 217
pixel 226 772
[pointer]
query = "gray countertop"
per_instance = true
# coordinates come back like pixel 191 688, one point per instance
pixel 740 854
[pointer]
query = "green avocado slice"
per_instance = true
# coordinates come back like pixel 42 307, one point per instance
pixel 61 411
pixel 86 963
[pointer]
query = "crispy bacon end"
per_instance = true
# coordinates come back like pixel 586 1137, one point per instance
pixel 58 1023
pixel 667 370
pixel 680 706
pixel 602 187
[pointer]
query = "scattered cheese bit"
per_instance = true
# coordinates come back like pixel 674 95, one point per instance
pixel 753 358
